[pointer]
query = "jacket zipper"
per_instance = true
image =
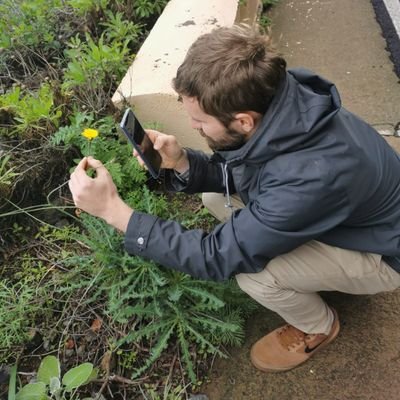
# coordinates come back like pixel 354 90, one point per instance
pixel 228 203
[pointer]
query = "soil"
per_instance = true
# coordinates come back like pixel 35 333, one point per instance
pixel 361 364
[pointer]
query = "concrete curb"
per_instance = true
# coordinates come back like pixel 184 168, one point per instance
pixel 388 16
pixel 147 84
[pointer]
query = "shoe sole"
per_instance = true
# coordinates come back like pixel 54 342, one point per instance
pixel 328 340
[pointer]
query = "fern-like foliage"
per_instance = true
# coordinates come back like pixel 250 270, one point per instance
pixel 161 306
pixel 109 147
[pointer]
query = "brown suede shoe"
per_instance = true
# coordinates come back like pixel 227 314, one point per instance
pixel 287 347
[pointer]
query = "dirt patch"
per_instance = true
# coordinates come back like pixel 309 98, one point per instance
pixel 361 364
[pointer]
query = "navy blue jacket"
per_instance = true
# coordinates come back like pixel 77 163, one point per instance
pixel 311 171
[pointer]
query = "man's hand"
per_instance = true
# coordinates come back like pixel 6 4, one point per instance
pixel 172 154
pixel 98 196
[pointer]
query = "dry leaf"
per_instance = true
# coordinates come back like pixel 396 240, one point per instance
pixel 106 361
pixel 96 325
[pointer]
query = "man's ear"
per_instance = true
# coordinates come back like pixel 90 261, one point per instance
pixel 247 122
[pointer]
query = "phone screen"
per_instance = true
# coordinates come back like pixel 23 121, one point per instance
pixel 141 142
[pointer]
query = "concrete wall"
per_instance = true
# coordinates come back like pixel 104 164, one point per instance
pixel 147 84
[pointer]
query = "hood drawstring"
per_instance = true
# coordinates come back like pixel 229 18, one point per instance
pixel 226 183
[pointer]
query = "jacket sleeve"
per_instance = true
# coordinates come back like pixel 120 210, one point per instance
pixel 205 175
pixel 280 219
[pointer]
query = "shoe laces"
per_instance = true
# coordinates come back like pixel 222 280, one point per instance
pixel 293 338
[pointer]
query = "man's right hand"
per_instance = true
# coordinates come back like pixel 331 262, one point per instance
pixel 98 196
pixel 172 154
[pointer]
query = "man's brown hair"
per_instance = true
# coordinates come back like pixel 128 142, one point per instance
pixel 231 70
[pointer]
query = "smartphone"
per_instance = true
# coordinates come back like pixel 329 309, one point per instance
pixel 140 140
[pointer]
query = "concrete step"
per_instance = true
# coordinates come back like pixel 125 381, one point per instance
pixel 147 84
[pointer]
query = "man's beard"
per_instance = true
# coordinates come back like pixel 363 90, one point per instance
pixel 233 141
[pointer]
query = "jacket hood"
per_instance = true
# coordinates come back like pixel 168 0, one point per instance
pixel 304 104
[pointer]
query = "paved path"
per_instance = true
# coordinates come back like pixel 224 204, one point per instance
pixel 341 40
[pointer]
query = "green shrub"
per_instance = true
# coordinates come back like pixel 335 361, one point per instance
pixel 32 37
pixel 83 7
pixel 33 112
pixel 25 24
pixel 118 29
pixel 93 71
pixel 147 8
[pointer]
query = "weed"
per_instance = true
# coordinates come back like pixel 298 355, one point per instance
pixel 168 393
pixel 7 175
pixel 18 309
pixel 264 21
pixel 166 306
pixel 32 36
pixel 127 359
pixel 83 7
pixel 33 112
pixel 119 29
pixel 147 8
pixel 93 70
pixel 49 383
pixel 116 155
pixel 29 23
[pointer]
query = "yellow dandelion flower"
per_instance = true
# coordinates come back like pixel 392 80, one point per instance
pixel 90 134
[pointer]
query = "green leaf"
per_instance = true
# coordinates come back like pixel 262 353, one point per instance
pixel 77 376
pixel 92 376
pixel 174 294
pixel 12 383
pixel 32 391
pixel 49 368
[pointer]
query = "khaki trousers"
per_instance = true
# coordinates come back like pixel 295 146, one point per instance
pixel 289 283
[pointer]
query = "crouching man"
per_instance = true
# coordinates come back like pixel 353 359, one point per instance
pixel 316 201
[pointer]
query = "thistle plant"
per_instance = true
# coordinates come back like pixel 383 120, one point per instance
pixel 160 307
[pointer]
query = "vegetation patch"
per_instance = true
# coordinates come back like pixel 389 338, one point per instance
pixel 79 318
